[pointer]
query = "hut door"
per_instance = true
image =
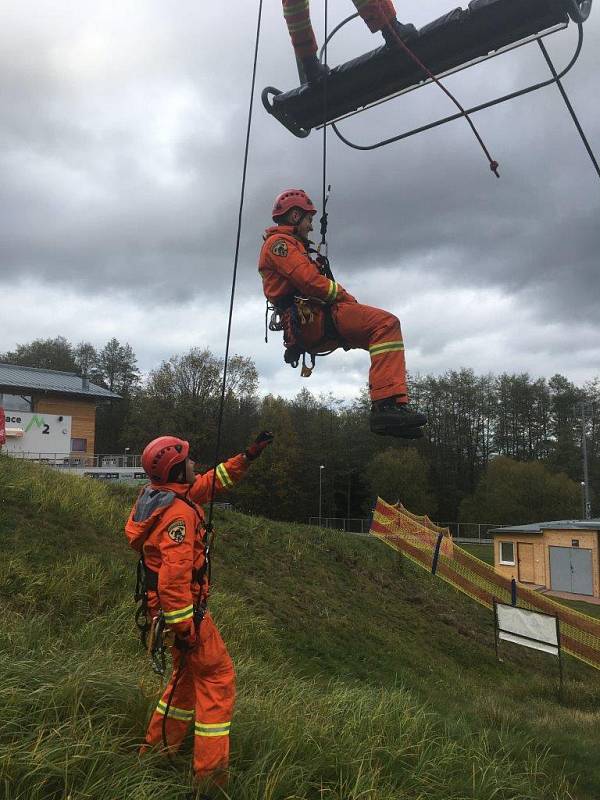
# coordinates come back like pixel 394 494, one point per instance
pixel 581 565
pixel 526 565
pixel 571 570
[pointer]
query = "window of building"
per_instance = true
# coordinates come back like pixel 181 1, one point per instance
pixel 78 445
pixel 507 552
pixel 16 402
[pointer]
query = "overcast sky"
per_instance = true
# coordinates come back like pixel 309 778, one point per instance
pixel 121 144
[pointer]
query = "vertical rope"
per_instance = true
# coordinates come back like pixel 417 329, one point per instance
pixel 235 269
pixel 324 167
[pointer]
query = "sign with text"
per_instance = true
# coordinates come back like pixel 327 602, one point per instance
pixel 37 433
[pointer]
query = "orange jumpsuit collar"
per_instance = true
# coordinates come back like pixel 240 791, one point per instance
pixel 178 488
pixel 285 230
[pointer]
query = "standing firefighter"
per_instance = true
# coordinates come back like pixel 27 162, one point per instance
pixel 380 15
pixel 166 526
pixel 318 314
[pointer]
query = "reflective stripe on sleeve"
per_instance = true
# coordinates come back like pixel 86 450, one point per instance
pixel 332 293
pixel 179 615
pixel 212 728
pixel 386 347
pixel 180 714
pixel 223 476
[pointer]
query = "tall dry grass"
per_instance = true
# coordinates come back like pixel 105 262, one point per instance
pixel 73 707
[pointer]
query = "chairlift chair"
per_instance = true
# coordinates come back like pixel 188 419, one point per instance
pixel 455 41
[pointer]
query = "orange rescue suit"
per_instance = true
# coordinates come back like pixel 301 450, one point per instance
pixel 167 525
pixel 288 271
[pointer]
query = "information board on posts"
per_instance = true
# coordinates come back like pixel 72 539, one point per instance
pixel 528 628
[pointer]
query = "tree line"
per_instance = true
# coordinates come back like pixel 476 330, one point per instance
pixel 498 448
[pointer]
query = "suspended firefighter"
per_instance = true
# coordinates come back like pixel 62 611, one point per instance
pixel 317 314
pixel 166 526
pixel 379 15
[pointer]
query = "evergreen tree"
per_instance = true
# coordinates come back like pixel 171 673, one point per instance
pixel 116 370
pixel 87 361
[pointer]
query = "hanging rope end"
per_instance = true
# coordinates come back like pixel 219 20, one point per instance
pixel 494 167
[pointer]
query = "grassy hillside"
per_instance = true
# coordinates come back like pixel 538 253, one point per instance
pixel 360 678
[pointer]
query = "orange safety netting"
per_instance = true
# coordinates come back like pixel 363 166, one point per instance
pixel 416 538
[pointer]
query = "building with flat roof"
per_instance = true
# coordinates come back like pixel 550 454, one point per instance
pixel 48 413
pixel 560 556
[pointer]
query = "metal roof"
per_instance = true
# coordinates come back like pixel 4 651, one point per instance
pixel 29 379
pixel 556 525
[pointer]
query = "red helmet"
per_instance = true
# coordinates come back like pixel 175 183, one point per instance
pixel 292 198
pixel 161 455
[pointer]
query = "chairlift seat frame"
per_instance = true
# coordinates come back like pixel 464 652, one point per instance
pixel 459 39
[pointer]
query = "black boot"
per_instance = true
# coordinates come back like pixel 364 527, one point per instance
pixel 314 70
pixel 396 419
pixel 396 30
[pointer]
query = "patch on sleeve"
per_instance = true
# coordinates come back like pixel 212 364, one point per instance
pixel 176 531
pixel 280 248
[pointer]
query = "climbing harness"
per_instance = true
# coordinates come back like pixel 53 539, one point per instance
pixel 155 635
pixel 160 637
pixel 150 629
pixel 457 41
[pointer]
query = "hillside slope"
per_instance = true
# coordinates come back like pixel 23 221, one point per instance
pixel 359 677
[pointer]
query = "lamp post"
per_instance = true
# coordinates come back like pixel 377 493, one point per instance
pixel 321 468
pixel 127 450
pixel 587 506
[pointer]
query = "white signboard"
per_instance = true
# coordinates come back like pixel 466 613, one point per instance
pixel 528 628
pixel 37 433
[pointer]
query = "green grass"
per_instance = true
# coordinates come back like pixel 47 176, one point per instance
pixel 359 676
pixel 485 552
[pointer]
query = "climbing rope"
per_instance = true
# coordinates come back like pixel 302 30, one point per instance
pixel 492 162
pixel 462 111
pixel 209 523
pixel 323 220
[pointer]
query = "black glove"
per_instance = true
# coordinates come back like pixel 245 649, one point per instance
pixel 263 440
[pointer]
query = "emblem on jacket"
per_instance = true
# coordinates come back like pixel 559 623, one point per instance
pixel 176 531
pixel 280 248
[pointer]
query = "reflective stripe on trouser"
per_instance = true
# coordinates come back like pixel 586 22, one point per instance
pixel 207 685
pixel 376 13
pixel 377 331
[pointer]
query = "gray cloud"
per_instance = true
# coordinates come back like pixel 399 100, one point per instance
pixel 122 141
